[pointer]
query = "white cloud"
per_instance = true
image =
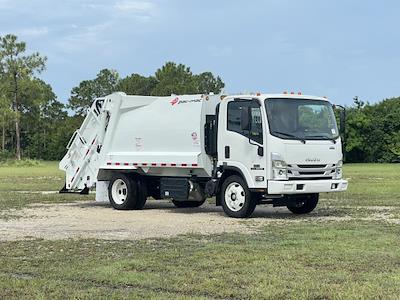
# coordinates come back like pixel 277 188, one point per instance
pixel 87 37
pixel 138 8
pixel 29 32
pixel 32 31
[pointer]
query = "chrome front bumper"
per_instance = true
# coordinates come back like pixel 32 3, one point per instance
pixel 306 186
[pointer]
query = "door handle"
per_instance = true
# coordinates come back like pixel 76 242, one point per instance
pixel 260 151
pixel 227 152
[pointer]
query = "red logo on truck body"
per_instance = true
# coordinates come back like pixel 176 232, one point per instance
pixel 174 101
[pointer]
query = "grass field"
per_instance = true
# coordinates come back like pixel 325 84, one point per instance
pixel 354 257
pixel 20 186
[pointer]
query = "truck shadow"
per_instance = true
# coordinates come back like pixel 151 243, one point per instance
pixel 261 211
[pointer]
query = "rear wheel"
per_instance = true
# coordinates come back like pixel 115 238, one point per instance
pixel 141 194
pixel 183 204
pixel 305 204
pixel 236 198
pixel 126 192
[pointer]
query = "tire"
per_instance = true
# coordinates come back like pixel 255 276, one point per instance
pixel 236 198
pixel 306 204
pixel 141 194
pixel 185 204
pixel 123 192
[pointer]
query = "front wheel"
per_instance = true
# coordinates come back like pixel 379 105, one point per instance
pixel 305 204
pixel 236 198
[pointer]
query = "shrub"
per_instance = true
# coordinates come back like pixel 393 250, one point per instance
pixel 20 163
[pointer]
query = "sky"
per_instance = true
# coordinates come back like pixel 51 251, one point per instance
pixel 337 49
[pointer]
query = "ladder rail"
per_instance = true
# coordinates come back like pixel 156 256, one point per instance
pixel 81 149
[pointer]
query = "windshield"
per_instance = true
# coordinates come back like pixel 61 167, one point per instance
pixel 301 119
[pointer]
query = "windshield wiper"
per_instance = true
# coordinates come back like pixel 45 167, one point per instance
pixel 323 137
pixel 290 135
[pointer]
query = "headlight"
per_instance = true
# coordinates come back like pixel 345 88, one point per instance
pixel 339 172
pixel 279 174
pixel 279 167
pixel 280 164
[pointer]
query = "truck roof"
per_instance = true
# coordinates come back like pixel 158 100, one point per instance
pixel 283 95
pixel 249 95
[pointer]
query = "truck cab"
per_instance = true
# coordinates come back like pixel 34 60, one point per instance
pixel 282 149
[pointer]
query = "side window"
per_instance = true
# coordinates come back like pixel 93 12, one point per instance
pixel 256 132
pixel 234 117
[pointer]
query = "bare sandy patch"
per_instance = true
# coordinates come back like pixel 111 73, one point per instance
pixel 157 219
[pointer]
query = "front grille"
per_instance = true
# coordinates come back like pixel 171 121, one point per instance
pixel 310 178
pixel 311 173
pixel 311 166
pixel 308 172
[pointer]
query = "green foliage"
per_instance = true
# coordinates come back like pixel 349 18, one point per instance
pixel 83 95
pixel 170 79
pixel 173 79
pixel 394 144
pixel 15 67
pixel 206 83
pixel 23 163
pixel 12 61
pixel 43 119
pixel 6 116
pixel 177 79
pixel 373 131
pixel 5 155
pixel 136 84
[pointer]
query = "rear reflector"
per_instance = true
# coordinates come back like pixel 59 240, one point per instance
pixel 150 164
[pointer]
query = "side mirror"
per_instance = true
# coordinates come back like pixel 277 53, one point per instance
pixel 343 122
pixel 342 119
pixel 342 129
pixel 245 123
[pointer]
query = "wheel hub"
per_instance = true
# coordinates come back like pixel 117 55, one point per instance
pixel 119 191
pixel 235 196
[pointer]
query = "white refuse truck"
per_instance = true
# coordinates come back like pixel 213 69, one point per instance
pixel 280 149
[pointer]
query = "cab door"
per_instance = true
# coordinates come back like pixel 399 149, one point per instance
pixel 242 147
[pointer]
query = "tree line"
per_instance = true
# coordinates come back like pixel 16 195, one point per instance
pixel 34 124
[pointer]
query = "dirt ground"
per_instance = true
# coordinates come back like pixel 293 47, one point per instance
pixel 157 219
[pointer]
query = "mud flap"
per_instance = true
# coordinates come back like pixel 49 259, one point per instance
pixel 85 191
pixel 64 190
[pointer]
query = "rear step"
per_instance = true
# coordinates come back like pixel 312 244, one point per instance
pixel 64 190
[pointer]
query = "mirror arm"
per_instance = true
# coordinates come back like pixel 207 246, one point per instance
pixel 343 119
pixel 256 144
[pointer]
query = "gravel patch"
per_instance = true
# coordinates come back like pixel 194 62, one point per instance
pixel 157 219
